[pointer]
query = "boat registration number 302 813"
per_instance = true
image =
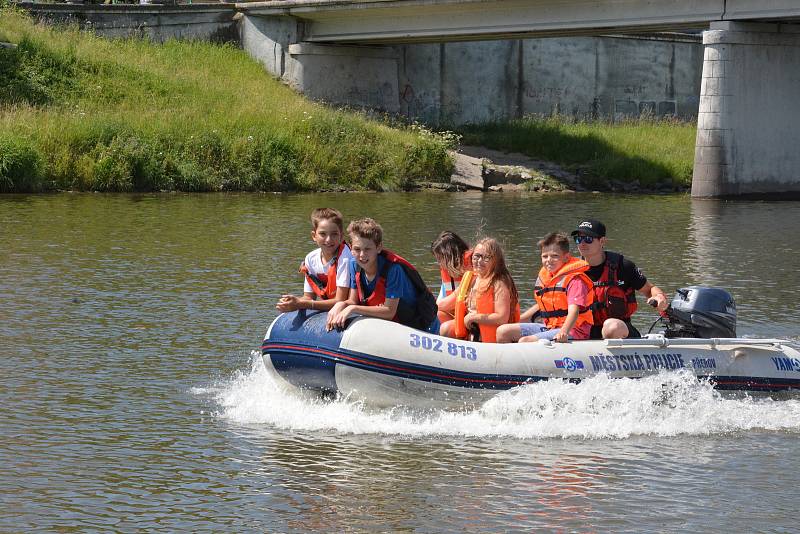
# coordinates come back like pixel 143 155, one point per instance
pixel 437 345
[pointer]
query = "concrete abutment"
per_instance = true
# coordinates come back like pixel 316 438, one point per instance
pixel 454 83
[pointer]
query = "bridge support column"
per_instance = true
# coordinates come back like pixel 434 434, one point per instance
pixel 749 117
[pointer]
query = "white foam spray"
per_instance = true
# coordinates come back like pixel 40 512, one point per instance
pixel 671 403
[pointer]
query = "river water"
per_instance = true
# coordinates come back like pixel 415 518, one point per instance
pixel 133 397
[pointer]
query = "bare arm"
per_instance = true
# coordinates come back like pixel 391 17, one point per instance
pixel 289 303
pixel 340 312
pixel 573 310
pixel 309 301
pixel 387 310
pixel 527 316
pixel 651 292
pixel 352 299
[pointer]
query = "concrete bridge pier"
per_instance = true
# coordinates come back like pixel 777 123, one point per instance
pixel 749 117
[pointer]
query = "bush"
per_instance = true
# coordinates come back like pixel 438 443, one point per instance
pixel 263 164
pixel 428 160
pixel 20 166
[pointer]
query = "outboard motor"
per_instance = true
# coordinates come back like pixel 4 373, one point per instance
pixel 701 312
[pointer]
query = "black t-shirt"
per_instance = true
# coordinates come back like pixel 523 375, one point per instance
pixel 630 274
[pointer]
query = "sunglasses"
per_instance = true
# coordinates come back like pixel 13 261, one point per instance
pixel 584 239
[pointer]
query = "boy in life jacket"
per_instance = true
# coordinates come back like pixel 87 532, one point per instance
pixel 383 284
pixel 325 269
pixel 563 296
pixel 454 258
pixel 487 297
pixel 616 280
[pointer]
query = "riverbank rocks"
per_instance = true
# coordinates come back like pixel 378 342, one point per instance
pixel 483 169
pixel 7 45
pixel 468 172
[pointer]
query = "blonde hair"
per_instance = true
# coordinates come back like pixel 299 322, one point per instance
pixel 366 228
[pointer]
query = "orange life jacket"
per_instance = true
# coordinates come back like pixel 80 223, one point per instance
pixel 450 283
pixel 551 295
pixel 484 304
pixel 324 288
pixel 612 298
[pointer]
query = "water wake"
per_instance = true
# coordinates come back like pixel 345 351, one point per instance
pixel 672 403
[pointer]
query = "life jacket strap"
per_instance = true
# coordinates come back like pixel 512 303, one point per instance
pixel 362 296
pixel 554 313
pixel 321 283
pixel 543 290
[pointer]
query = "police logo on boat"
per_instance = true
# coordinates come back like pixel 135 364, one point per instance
pixel 569 364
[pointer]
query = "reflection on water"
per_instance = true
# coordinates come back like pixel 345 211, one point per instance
pixel 745 248
pixel 131 400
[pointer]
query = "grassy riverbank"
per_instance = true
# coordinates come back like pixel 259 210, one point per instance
pixel 78 112
pixel 653 152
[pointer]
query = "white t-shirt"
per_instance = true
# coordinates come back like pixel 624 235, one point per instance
pixel 315 266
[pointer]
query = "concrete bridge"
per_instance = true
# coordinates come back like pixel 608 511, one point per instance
pixel 749 108
pixel 400 21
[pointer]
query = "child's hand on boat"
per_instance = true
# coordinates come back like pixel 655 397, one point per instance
pixel 561 337
pixel 288 303
pixel 338 315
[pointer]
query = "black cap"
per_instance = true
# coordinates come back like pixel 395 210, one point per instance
pixel 590 227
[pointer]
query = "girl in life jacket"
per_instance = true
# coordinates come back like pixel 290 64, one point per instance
pixel 486 298
pixel 454 258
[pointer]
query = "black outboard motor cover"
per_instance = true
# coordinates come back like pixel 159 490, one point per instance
pixel 702 312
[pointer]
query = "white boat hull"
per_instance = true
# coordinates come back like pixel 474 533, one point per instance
pixel 385 363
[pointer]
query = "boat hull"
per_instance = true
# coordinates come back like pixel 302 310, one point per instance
pixel 385 363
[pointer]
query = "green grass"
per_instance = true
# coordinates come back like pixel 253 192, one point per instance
pixel 78 112
pixel 654 152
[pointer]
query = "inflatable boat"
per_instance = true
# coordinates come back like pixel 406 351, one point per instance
pixel 385 363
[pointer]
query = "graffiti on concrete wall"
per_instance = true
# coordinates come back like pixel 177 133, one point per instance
pixel 544 94
pixel 381 96
pixel 633 90
pixel 422 105
pixel 427 106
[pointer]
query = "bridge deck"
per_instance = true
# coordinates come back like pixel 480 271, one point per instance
pixel 397 21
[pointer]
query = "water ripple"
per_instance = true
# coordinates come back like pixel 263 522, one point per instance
pixel 132 402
